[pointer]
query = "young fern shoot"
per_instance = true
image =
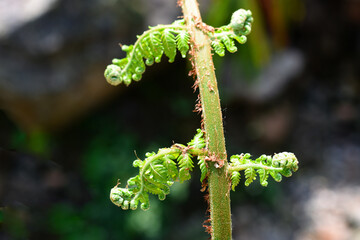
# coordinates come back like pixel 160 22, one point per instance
pixel 281 164
pixel 167 39
pixel 158 171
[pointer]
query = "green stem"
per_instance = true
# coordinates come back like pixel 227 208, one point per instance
pixel 252 165
pixel 218 182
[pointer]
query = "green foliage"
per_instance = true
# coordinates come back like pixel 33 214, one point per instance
pixel 241 21
pixel 158 172
pixel 203 168
pixel 198 141
pixel 235 179
pixel 239 27
pixel 218 47
pixel 151 45
pixel 182 41
pixel 186 165
pixel 166 39
pixel 103 160
pixel 250 175
pixel 281 164
pixel 169 44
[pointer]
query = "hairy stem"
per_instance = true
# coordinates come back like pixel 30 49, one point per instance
pixel 218 181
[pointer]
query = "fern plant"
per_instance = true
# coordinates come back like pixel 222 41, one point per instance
pixel 159 170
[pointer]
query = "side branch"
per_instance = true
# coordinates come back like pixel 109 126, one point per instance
pixel 158 171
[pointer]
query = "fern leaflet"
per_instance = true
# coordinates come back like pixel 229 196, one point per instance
pixel 203 168
pixel 169 44
pixel 182 41
pixel 235 179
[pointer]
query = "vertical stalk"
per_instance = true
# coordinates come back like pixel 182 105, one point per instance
pixel 218 182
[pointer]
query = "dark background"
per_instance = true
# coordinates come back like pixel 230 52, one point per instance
pixel 66 136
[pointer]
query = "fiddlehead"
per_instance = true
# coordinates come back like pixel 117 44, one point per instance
pixel 151 45
pixel 239 27
pixel 158 172
pixel 281 164
pixel 241 21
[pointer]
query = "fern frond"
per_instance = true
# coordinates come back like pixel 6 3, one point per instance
pixel 281 164
pixel 186 165
pixel 182 42
pixel 250 175
pixel 169 44
pixel 171 167
pixel 241 21
pixel 218 47
pixel 151 45
pixel 240 39
pixel 239 27
pixel 166 39
pixel 146 51
pixel 229 43
pixel 203 168
pixel 156 45
pixel 158 172
pixel 235 179
pixel 113 74
pixel 263 176
pixel 198 141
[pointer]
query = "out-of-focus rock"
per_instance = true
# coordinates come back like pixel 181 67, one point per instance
pixel 11 18
pixel 272 127
pixel 332 214
pixel 271 81
pixel 53 55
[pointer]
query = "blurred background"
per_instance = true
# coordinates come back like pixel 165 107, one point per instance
pixel 66 136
